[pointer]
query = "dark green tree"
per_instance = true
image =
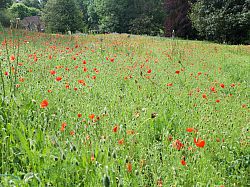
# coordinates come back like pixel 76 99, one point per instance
pixel 222 21
pixel 4 14
pixel 62 16
pixel 146 17
pixel 5 3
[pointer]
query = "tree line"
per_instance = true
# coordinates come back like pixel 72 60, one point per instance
pixel 216 20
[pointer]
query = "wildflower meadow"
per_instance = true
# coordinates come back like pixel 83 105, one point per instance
pixel 122 110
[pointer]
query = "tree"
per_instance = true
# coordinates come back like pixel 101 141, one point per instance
pixel 222 21
pixel 19 10
pixel 91 18
pixel 32 3
pixel 177 19
pixel 4 14
pixel 5 3
pixel 110 14
pixel 43 3
pixel 147 17
pixel 62 16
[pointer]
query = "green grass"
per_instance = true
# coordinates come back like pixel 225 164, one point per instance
pixel 131 92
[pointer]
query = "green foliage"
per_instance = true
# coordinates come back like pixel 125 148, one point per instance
pixel 62 16
pixel 20 10
pixel 5 3
pixel 222 21
pixel 141 25
pixel 110 13
pixel 91 18
pixel 43 3
pixel 146 17
pixel 123 16
pixel 32 3
pixel 5 17
pixel 4 13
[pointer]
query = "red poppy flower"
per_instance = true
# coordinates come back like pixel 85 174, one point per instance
pixel 81 81
pixel 12 58
pixel 79 115
pixel 149 71
pixel 121 141
pixel 170 84
pixel 217 101
pixel 75 88
pixel 204 96
pixel 6 73
pixel 115 129
pixel 44 103
pixel 49 91
pixel 112 60
pixel 91 116
pixel 232 85
pixel 85 69
pixel 222 85
pixel 129 167
pixel 213 89
pixel 190 129
pixel 183 162
pixel 177 72
pixel 199 143
pixel 177 145
pixel 72 133
pixel 58 78
pixel 84 62
pixel 21 79
pixel 199 73
pixel 63 126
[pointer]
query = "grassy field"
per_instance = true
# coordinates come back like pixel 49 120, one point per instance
pixel 122 110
